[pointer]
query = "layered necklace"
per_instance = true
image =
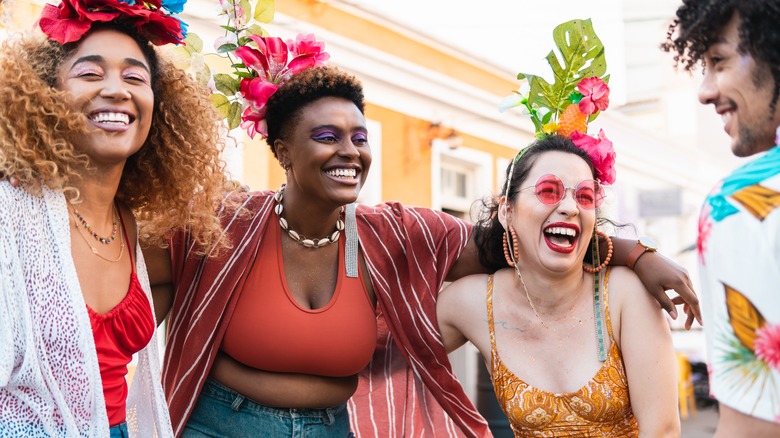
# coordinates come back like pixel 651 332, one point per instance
pixel 78 218
pixel 300 238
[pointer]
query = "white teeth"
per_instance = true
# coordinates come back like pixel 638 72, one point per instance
pixel 725 117
pixel 343 173
pixel 562 231
pixel 110 118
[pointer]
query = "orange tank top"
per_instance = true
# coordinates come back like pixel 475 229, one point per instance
pixel 600 408
pixel 270 331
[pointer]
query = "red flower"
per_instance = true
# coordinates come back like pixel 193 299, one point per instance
pixel 705 226
pixel 307 52
pixel 595 95
pixel 72 19
pixel 601 153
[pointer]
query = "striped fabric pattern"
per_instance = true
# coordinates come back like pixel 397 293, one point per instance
pixel 408 389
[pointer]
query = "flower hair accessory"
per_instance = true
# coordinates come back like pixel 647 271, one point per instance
pixel 72 19
pixel 577 96
pixel 264 63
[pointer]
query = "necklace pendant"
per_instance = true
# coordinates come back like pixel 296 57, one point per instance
pixel 94 250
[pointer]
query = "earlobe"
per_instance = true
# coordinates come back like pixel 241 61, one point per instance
pixel 282 154
pixel 503 211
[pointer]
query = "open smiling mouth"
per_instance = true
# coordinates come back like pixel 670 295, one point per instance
pixel 561 236
pixel 111 118
pixel 343 173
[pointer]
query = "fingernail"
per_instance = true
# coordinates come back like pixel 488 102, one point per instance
pixel 673 314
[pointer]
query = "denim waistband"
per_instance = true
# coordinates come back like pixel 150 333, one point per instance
pixel 218 391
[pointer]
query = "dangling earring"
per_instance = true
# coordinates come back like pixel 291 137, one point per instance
pixel 595 251
pixel 515 246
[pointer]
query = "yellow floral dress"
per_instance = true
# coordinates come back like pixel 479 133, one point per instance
pixel 600 408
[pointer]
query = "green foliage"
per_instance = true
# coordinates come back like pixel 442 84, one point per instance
pixel 221 103
pixel 234 115
pixel 226 84
pixel 582 56
pixel 264 11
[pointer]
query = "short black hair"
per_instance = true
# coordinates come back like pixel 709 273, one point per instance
pixel 699 23
pixel 283 108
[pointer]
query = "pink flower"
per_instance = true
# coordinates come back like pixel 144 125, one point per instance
pixel 595 95
pixel 254 122
pixel 705 226
pixel 601 153
pixel 257 91
pixel 306 52
pixel 767 345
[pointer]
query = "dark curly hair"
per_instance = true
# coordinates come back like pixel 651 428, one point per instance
pixel 284 107
pixel 699 23
pixel 488 232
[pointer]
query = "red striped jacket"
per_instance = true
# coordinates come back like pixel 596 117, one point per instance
pixel 408 389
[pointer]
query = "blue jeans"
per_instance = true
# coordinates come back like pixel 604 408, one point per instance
pixel 119 431
pixel 222 412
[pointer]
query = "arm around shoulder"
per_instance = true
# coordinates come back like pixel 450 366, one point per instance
pixel 645 340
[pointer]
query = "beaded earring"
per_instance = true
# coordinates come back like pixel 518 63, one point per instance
pixel 510 259
pixel 603 264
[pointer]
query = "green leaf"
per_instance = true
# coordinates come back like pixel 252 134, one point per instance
pixel 243 74
pixel 229 29
pixel 242 41
pixel 256 30
pixel 264 11
pixel 221 103
pixel 193 43
pixel 226 84
pixel 234 116
pixel 225 48
pixel 203 75
pixel 582 55
pixel 247 9
pixel 239 65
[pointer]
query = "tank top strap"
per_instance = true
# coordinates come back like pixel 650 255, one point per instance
pixel 605 297
pixel 491 327
pixel 127 238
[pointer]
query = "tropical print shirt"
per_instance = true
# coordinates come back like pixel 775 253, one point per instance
pixel 739 257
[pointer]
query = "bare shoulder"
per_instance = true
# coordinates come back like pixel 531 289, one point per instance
pixel 460 302
pixel 469 288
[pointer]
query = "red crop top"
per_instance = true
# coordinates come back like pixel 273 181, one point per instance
pixel 270 331
pixel 120 333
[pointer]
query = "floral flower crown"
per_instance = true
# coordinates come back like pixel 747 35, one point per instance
pixel 577 96
pixel 265 64
pixel 72 19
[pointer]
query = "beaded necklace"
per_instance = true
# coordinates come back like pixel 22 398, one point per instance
pixel 78 218
pixel 99 238
pixel 300 238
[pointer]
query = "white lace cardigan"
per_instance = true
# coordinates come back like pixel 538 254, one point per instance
pixel 49 376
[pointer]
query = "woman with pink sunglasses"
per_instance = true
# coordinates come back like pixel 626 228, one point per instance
pixel 563 340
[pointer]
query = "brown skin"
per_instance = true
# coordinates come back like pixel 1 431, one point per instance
pixel 330 134
pixel 116 83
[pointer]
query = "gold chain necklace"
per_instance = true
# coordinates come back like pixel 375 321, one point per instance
pixel 95 250
pixel 528 296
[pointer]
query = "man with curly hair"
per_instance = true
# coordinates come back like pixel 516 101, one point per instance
pixel 737 42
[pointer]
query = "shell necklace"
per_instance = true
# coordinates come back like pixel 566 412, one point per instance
pixel 300 238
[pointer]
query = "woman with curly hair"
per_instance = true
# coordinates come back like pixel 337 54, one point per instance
pixel 324 304
pixel 101 133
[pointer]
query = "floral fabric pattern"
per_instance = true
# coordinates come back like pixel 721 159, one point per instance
pixel 739 256
pixel 600 408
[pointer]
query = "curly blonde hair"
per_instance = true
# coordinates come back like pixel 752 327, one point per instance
pixel 175 181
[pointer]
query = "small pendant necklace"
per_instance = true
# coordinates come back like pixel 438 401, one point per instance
pixel 79 218
pixel 300 238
